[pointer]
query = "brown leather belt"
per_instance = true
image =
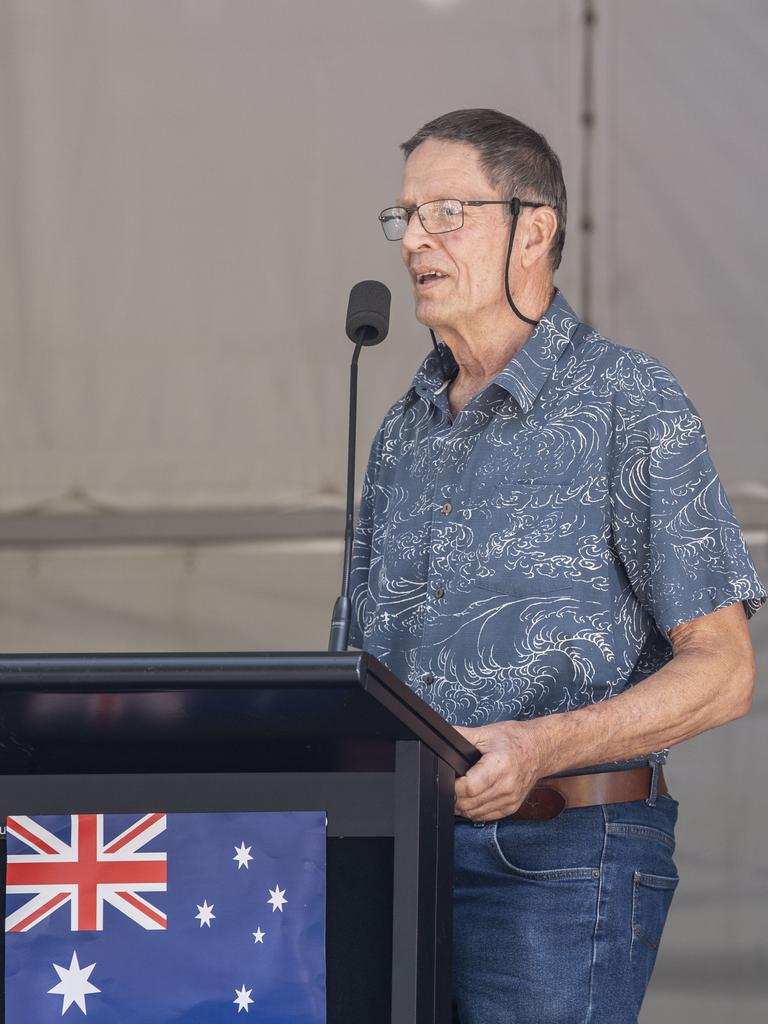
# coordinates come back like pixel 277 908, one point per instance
pixel 551 796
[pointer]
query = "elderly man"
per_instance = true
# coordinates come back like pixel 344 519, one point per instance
pixel 546 556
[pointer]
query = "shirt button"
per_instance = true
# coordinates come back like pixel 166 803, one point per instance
pixel 439 593
pixel 428 678
pixel 447 508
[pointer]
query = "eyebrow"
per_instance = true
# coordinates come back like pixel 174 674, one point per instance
pixel 412 204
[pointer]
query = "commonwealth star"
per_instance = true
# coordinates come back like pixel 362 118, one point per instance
pixel 73 984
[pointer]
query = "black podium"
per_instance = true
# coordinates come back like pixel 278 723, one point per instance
pixel 265 732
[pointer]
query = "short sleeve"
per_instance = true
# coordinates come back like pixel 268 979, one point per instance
pixel 673 527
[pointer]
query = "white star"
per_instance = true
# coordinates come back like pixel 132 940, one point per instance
pixel 206 914
pixel 242 855
pixel 258 935
pixel 74 984
pixel 278 899
pixel 243 999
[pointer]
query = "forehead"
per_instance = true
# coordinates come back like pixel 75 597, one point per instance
pixel 438 169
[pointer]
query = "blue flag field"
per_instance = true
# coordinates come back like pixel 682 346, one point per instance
pixel 165 919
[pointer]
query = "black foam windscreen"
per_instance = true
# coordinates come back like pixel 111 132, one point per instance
pixel 368 312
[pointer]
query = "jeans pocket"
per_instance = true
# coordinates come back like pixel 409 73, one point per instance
pixel 540 862
pixel 651 898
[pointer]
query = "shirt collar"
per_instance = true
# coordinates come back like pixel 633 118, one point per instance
pixel 525 375
pixel 430 380
pixel 527 372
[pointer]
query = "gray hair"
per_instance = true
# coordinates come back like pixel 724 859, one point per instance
pixel 517 160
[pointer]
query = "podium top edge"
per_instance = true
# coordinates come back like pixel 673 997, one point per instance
pixel 90 672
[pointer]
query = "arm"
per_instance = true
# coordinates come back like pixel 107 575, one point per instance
pixel 708 682
pixel 685 558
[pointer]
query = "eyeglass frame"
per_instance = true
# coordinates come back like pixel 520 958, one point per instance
pixel 514 204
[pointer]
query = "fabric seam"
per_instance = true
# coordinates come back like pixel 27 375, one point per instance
pixel 588 1017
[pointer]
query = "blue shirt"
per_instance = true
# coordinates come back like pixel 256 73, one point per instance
pixel 531 555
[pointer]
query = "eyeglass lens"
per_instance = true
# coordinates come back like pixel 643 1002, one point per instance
pixel 436 217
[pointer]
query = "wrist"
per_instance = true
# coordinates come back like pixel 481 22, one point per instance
pixel 543 736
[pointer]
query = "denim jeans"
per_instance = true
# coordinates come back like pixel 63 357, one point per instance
pixel 559 921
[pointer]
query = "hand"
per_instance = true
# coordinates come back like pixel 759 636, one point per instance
pixel 511 765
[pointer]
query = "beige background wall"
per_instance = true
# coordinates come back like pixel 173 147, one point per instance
pixel 188 189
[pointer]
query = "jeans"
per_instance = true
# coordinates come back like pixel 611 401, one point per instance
pixel 559 921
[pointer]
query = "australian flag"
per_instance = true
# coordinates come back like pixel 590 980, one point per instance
pixel 165 918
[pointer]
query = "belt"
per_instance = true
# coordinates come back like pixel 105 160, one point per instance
pixel 551 796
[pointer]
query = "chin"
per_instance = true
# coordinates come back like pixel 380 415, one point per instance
pixel 427 315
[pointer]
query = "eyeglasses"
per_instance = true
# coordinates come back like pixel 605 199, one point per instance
pixel 438 216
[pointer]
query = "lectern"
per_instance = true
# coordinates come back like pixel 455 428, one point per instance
pixel 265 732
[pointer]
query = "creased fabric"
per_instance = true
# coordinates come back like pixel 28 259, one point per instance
pixel 532 556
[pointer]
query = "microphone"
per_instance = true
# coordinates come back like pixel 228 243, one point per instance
pixel 367 324
pixel 368 313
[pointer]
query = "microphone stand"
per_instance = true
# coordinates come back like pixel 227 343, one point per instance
pixel 342 609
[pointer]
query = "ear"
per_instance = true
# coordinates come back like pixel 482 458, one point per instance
pixel 538 235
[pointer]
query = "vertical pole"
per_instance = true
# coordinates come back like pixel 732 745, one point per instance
pixel 589 20
pixel 443 892
pixel 416 914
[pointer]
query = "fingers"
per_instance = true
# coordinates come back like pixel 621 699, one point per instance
pixel 482 804
pixel 491 813
pixel 489 790
pixel 468 733
pixel 486 774
pixel 489 810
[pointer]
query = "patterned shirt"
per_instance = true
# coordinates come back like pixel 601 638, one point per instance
pixel 531 555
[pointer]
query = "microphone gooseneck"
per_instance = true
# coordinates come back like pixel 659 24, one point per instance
pixel 367 324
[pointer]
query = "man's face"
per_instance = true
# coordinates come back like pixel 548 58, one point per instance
pixel 472 257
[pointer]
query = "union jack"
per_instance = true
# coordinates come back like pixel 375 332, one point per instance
pixel 86 872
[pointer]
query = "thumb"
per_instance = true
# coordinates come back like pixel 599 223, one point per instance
pixel 473 735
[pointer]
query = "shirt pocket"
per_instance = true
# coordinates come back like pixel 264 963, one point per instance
pixel 524 543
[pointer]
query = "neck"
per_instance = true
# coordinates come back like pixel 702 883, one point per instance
pixel 483 349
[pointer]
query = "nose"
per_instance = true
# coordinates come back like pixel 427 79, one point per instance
pixel 415 237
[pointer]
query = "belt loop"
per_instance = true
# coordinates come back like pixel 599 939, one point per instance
pixel 651 799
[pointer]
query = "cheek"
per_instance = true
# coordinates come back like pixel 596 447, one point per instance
pixel 484 282
pixel 479 275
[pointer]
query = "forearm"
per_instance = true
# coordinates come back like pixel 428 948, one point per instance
pixel 708 682
pixel 700 688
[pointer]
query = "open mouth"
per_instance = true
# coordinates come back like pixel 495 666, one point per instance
pixel 429 278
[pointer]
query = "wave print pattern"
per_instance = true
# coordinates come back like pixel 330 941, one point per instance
pixel 532 555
